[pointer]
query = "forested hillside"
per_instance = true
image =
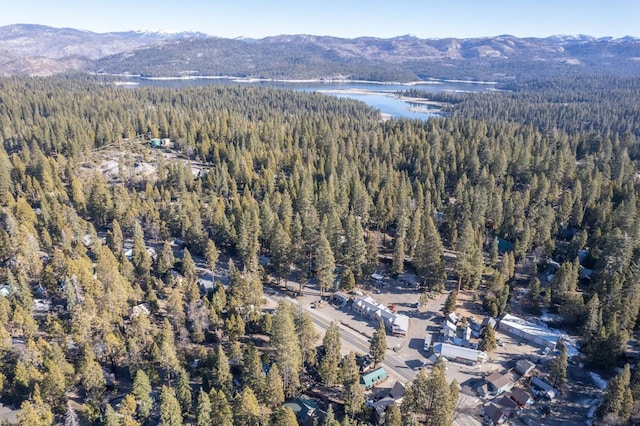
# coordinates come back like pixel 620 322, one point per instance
pixel 312 182
pixel 41 50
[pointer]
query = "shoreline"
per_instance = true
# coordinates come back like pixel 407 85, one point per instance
pixel 408 99
pixel 329 80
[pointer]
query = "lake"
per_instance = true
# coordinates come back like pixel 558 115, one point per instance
pixel 378 95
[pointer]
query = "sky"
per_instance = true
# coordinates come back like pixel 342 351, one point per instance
pixel 340 18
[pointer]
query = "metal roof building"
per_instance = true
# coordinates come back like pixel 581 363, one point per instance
pixel 534 333
pixel 373 378
pixel 369 308
pixel 460 354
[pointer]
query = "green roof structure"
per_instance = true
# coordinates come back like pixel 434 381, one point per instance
pixel 373 378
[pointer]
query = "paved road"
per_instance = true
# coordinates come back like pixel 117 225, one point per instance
pixel 394 365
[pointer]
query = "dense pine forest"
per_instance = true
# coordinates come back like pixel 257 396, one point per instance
pixel 318 185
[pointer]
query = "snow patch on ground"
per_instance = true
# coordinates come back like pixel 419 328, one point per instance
pixel 598 381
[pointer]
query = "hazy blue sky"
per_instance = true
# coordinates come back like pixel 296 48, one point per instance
pixel 343 18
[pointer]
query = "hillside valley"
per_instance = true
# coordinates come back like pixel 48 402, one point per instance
pixel 38 50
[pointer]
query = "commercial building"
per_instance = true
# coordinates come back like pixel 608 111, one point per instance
pixel 538 335
pixel 370 309
pixel 459 354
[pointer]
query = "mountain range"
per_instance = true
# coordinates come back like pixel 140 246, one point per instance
pixel 41 50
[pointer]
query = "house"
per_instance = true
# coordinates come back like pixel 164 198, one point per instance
pixel 538 335
pixel 373 378
pixel 155 143
pixel 380 407
pixel 398 391
pixel 500 382
pixel 540 387
pixel 141 309
pixel 465 420
pixel 340 299
pixel 494 414
pixel 6 290
pixel 500 410
pixel 448 330
pixel 453 318
pixel 41 306
pixel 395 396
pixel 400 325
pixel 304 409
pixel 408 280
pixel 521 397
pixel 524 367
pixel 504 245
pixel 377 277
pixel 459 354
pixel 466 333
pixel 489 322
pixel 150 251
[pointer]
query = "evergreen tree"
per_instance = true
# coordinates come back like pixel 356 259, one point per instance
pixel 534 290
pixel 248 233
pixel 35 412
pixel 128 409
pixel 274 389
pixel 234 326
pixel 488 342
pixel 183 392
pixel 330 362
pixel 397 266
pixel 246 410
pixel 392 416
pixel 329 418
pixel 165 259
pixel 170 412
pixel 281 253
pixel 325 264
pixel 266 323
pixel 220 409
pixel 252 374
pixel 140 257
pixel 283 416
pixel 221 372
pixel 618 399
pixel 307 334
pixel 212 254
pixel 378 345
pixel 429 397
pixel 347 281
pixel 558 368
pixel 203 410
pixel 352 392
pixel 111 418
pixel 468 264
pixel 355 249
pixel 288 356
pixel 450 303
pixel 189 267
pixel 372 254
pixel 429 256
pixel 142 392
pixel 92 378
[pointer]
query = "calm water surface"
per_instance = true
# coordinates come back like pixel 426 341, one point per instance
pixel 362 91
